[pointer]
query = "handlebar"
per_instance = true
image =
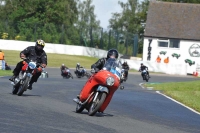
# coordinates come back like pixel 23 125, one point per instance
pixel 37 64
pixel 94 70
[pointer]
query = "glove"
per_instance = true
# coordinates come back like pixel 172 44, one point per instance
pixel 92 71
pixel 43 65
pixel 39 69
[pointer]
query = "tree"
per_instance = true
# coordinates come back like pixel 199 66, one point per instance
pixel 45 19
pixel 182 1
pixel 126 23
pixel 87 24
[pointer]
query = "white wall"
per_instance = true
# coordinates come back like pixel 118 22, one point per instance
pixel 177 67
pixel 54 48
pixel 183 51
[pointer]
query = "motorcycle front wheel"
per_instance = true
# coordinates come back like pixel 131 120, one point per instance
pixel 147 78
pixel 23 87
pixel 79 108
pixel 96 103
pixel 15 90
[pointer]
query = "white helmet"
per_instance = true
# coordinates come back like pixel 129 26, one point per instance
pixel 63 64
pixel 78 64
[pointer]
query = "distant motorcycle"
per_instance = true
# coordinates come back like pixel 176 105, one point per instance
pixel 81 73
pixel 66 73
pixel 145 76
pixel 21 82
pixel 123 75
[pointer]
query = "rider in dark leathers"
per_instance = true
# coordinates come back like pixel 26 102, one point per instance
pixel 125 66
pixel 33 53
pixel 78 67
pixel 143 67
pixel 62 69
pixel 112 53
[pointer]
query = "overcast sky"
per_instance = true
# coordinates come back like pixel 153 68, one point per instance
pixel 104 9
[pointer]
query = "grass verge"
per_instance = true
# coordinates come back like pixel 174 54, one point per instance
pixel 54 60
pixel 6 73
pixel 187 93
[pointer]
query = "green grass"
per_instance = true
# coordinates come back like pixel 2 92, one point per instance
pixel 187 93
pixel 6 73
pixel 54 60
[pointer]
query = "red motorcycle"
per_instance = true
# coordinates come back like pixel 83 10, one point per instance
pixel 66 73
pixel 21 82
pixel 97 93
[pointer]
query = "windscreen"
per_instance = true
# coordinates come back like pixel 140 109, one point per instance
pixel 114 66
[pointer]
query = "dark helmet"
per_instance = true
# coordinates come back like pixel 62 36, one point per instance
pixel 125 62
pixel 141 64
pixel 39 45
pixel 112 52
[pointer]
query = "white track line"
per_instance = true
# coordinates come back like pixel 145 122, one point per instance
pixel 141 85
pixel 179 103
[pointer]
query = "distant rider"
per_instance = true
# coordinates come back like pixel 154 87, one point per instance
pixel 63 68
pixel 78 67
pixel 143 67
pixel 125 66
pixel 33 53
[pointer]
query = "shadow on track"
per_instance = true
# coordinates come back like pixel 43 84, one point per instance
pixel 96 115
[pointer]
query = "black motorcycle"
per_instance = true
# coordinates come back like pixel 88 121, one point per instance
pixel 145 76
pixel 81 72
pixel 66 73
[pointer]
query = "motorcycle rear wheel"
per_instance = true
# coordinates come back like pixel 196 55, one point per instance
pixel 23 87
pixel 96 105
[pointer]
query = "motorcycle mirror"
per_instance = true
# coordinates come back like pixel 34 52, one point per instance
pixel 121 87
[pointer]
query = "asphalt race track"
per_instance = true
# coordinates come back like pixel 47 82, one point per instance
pixel 49 108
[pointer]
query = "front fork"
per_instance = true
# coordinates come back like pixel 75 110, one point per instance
pixel 100 89
pixel 24 77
